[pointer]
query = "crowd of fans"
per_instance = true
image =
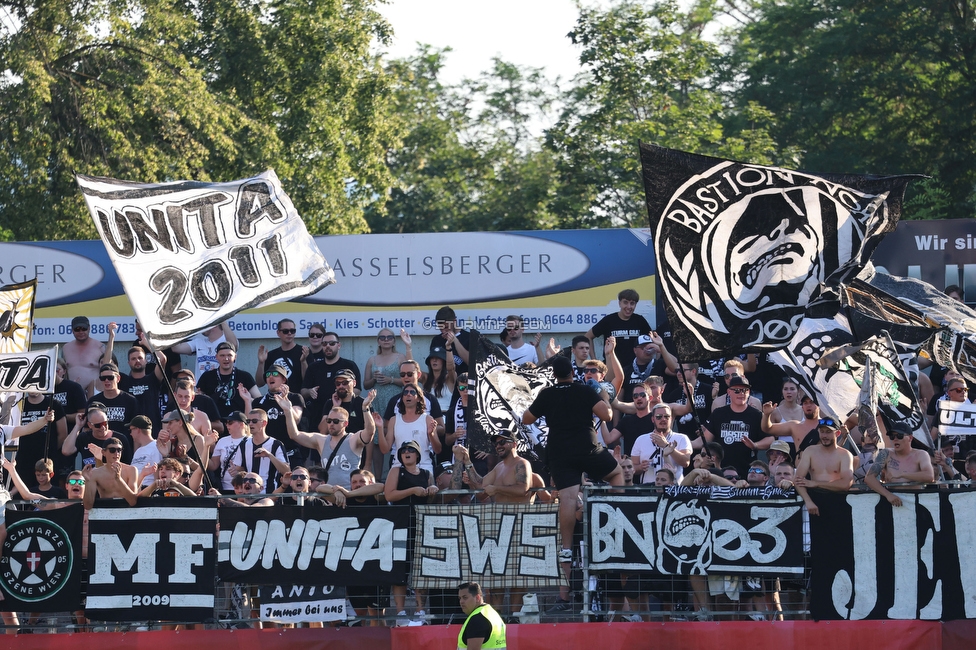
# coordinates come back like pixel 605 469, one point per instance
pixel 308 423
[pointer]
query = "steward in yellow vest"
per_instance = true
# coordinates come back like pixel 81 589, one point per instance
pixel 484 629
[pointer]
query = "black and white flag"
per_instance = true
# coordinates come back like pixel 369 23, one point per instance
pixel 741 249
pixel 502 393
pixel 40 561
pixel 155 561
pixel 17 315
pixel 287 544
pixel 956 418
pixel 29 371
pixel 193 254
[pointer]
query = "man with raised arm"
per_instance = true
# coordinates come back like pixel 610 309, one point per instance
pixel 339 449
pixel 900 464
pixel 825 465
pixel 795 429
pixel 508 482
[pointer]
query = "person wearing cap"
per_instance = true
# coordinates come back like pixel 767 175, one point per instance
pixel 276 377
pixel 731 424
pixel 944 460
pixel 791 432
pixel 825 465
pixel 288 354
pixel 179 425
pixel 318 384
pixel 572 450
pixel 225 449
pixel 225 382
pixel 779 452
pixel 508 481
pixel 647 361
pixel 83 355
pixel 113 479
pixel 346 396
pixel 441 377
pixel 661 448
pixel 451 338
pixel 119 406
pixel 898 463
pixel 409 484
pixel 624 325
pixel 148 450
pixel 733 368
pixel 204 345
pixel 340 450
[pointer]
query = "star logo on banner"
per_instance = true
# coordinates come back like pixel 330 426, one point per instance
pixel 33 561
pixel 36 561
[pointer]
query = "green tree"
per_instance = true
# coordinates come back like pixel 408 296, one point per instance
pixel 649 75
pixel 157 91
pixel 875 86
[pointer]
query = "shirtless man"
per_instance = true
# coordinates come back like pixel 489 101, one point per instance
pixel 796 429
pixel 829 467
pixel 508 482
pixel 899 465
pixel 113 479
pixel 83 355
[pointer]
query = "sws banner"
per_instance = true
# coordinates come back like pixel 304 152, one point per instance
pixel 282 544
pixel 871 560
pixel 691 531
pixel 155 561
pixel 500 546
pixel 40 565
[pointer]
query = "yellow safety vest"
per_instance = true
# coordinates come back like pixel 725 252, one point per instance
pixel 497 639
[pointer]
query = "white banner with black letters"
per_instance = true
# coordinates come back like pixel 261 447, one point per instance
pixel 692 531
pixel 302 603
pixel 285 544
pixel 155 561
pixel 29 371
pixel 956 418
pixel 192 254
pixel 871 560
pixel 501 545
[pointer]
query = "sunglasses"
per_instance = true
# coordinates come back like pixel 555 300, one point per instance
pixel 114 450
pixel 341 382
pixel 106 377
pixel 273 373
pixel 254 420
pixel 896 436
pixel 334 420
pixel 589 370
pixel 732 477
pixel 636 395
pixel 664 416
pixel 406 374
pixel 76 481
pixel 330 343
pixel 385 337
pixel 826 422
pixel 99 425
pixel 957 389
pixel 299 477
pixel 290 330
pixel 756 470
pixel 81 329
pixel 253 481
pixel 739 391
pixel 409 392
pixel 315 335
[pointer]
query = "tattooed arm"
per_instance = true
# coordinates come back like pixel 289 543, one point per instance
pixel 517 490
pixel 873 478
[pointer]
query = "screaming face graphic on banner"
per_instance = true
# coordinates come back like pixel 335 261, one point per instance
pixel 745 248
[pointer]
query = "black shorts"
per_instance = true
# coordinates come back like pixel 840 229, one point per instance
pixel 567 472
pixel 369 597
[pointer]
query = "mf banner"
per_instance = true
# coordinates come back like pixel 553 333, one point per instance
pixel 283 544
pixel 192 254
pixel 40 562
pixel 152 562
pixel 873 560
pixel 692 531
pixel 497 545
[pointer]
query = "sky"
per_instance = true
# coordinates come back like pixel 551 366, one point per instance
pixel 524 32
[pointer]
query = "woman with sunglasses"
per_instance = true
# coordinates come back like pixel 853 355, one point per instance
pixel 315 350
pixel 411 422
pixel 382 373
pixel 441 377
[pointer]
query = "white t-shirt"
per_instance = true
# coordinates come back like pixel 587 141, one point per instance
pixel 416 431
pixel 145 455
pixel 645 449
pixel 222 450
pixel 206 352
pixel 524 354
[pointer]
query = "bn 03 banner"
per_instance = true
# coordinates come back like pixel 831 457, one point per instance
pixel 155 561
pixel 283 544
pixel 40 565
pixel 511 545
pixel 871 560
pixel 687 531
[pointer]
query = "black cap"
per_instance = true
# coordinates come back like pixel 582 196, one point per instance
pixel 237 416
pixel 902 427
pixel 226 346
pixel 80 321
pixel 504 435
pixel 347 373
pixel 409 445
pixel 738 380
pixel 436 353
pixel 562 367
pixel 109 367
pixel 140 422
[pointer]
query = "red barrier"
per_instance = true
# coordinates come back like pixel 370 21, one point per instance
pixel 797 635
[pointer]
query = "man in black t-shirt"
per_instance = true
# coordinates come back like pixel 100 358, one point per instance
pixel 572 448
pixel 288 353
pixel 222 382
pixel 276 378
pixel 319 383
pixel 451 338
pixel 730 424
pixel 33 448
pixel 69 394
pixel 119 406
pixel 144 382
pixel 624 325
